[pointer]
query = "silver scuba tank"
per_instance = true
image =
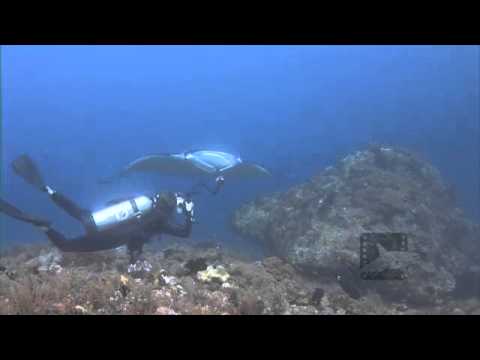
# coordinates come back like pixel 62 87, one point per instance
pixel 121 212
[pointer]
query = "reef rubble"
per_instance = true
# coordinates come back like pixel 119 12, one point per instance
pixel 98 283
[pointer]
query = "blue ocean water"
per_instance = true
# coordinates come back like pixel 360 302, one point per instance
pixel 82 112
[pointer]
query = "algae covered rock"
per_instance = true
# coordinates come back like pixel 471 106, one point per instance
pixel 316 226
pixel 46 261
pixel 213 273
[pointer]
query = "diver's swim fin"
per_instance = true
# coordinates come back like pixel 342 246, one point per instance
pixel 12 211
pixel 26 168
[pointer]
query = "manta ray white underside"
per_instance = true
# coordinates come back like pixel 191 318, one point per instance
pixel 196 163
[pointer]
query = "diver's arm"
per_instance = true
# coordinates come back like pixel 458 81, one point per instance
pixel 219 181
pixel 179 230
pixel 186 205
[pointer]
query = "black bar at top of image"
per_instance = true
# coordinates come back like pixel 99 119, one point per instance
pixel 316 28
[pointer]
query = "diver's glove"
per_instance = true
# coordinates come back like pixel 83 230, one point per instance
pixel 188 205
pixel 185 205
pixel 219 181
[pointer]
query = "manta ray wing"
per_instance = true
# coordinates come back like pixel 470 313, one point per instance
pixel 246 171
pixel 165 164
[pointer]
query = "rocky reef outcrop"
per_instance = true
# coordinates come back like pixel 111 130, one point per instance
pixel 316 226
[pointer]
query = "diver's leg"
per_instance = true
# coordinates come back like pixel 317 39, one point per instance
pixel 137 262
pixel 56 238
pixel 26 168
pixel 72 209
pixel 66 204
pixel 12 211
pixel 135 249
pixel 87 243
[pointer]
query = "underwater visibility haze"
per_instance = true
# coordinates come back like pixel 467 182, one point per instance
pixel 357 140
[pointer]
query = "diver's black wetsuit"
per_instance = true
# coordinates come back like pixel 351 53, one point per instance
pixel 134 233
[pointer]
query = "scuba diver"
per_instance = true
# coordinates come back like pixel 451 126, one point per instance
pixel 130 222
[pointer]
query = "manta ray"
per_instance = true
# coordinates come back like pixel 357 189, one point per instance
pixel 195 163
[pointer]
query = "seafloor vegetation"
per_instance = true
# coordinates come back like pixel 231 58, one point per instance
pixel 312 232
pixel 184 280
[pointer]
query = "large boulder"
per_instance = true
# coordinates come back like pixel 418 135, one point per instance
pixel 316 226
